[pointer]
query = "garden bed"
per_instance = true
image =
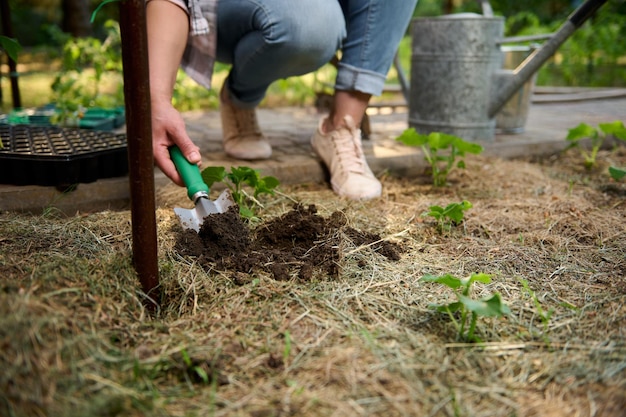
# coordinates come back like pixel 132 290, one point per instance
pixel 247 333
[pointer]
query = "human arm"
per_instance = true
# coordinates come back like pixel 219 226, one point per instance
pixel 168 28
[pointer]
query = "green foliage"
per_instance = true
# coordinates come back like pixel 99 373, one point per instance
pixel 10 46
pixel 236 180
pixel 449 216
pixel 188 95
pixel 432 145
pixel 288 346
pixel 197 372
pixel 617 173
pixel 467 308
pixel 591 56
pixel 597 136
pixel 85 62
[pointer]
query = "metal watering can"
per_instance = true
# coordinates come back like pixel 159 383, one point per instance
pixel 458 85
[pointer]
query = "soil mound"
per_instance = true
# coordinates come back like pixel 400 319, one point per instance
pixel 299 243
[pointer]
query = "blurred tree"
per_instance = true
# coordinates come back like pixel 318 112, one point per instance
pixel 546 11
pixel 33 19
pixel 76 15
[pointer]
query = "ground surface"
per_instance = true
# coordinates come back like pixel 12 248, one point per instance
pixel 319 309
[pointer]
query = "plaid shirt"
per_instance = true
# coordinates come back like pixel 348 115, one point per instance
pixel 199 56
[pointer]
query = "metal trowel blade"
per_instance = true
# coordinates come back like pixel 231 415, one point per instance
pixel 193 218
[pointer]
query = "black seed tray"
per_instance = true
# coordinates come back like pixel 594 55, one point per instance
pixel 56 156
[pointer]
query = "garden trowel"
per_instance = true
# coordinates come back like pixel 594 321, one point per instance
pixel 198 192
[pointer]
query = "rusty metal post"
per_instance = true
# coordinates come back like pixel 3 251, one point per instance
pixel 139 134
pixel 7 30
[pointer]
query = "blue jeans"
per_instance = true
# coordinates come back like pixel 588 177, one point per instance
pixel 267 40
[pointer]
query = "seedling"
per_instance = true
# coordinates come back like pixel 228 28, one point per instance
pixel 192 369
pixel 432 145
pixel 597 136
pixel 466 308
pixel 451 215
pixel 544 315
pixel 236 180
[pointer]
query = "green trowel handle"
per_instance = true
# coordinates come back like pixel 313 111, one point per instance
pixel 189 172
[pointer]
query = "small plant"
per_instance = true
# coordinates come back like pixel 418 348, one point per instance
pixel 451 215
pixel 287 349
pixel 195 371
pixel 544 315
pixel 236 180
pixel 597 136
pixel 467 309
pixel 441 164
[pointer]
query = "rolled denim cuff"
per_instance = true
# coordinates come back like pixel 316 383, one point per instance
pixel 350 78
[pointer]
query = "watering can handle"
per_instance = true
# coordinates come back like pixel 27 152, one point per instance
pixel 508 85
pixel 486 6
pixel 190 174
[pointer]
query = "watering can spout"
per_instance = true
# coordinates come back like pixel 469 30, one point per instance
pixel 505 83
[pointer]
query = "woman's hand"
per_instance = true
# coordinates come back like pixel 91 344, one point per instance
pixel 168 129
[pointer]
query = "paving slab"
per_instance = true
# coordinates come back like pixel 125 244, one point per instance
pixel 293 162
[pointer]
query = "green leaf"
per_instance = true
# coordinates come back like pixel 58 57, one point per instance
pixel 434 211
pixel 211 175
pixel 582 131
pixel 617 173
pixel 271 182
pixel 447 308
pixel 411 138
pixel 465 146
pixel 266 185
pixel 246 212
pixel 615 128
pixel 449 280
pixel 244 175
pixel 480 277
pixel 201 374
pixel 487 307
pixel 186 357
pixel 11 46
pixel 454 211
pixel 437 140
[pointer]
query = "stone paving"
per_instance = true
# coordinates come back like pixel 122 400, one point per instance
pixel 293 162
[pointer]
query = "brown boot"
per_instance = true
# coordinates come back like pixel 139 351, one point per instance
pixel 242 136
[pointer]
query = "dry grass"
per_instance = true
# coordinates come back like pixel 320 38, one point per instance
pixel 77 341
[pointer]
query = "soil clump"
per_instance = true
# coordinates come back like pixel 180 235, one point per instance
pixel 300 243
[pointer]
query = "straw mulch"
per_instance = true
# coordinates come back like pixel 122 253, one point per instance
pixel 359 339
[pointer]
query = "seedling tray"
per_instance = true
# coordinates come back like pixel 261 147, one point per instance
pixel 55 156
pixel 93 118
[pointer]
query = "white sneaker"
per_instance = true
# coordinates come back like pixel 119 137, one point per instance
pixel 242 135
pixel 342 152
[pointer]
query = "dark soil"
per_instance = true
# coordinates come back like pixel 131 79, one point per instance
pixel 299 244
